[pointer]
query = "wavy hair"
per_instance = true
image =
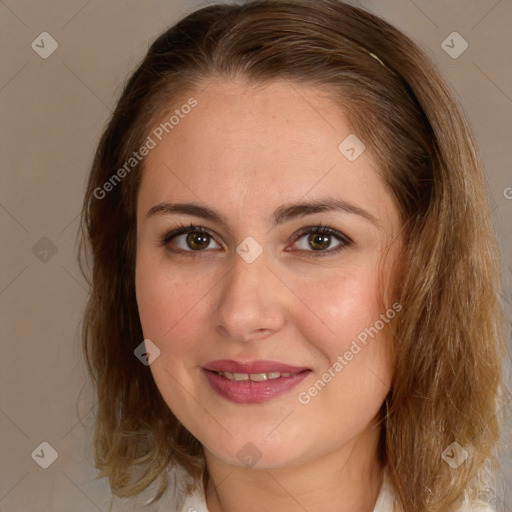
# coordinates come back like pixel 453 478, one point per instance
pixel 449 345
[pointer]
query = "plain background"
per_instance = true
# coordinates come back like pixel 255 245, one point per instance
pixel 53 111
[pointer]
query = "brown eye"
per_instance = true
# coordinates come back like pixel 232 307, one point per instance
pixel 318 241
pixel 188 239
pixel 198 241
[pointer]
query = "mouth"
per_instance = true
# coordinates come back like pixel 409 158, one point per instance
pixel 255 377
pixel 252 382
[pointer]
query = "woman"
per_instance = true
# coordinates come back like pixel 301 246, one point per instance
pixel 295 287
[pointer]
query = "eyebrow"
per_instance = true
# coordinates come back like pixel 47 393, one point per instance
pixel 282 214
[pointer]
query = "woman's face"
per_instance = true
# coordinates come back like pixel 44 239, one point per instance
pixel 259 294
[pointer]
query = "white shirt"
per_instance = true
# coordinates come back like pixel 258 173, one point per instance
pixel 196 502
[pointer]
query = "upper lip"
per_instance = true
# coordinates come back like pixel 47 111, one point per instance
pixel 228 365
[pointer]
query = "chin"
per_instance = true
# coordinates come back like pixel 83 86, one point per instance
pixel 258 452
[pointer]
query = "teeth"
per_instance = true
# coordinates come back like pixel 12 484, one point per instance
pixel 259 376
pixel 255 377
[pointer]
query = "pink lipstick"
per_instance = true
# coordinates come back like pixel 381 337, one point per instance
pixel 253 382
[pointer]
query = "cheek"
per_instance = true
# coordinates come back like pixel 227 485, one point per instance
pixel 353 377
pixel 329 309
pixel 353 350
pixel 169 306
pixel 337 309
pixel 165 300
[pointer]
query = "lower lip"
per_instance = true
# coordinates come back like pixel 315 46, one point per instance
pixel 250 392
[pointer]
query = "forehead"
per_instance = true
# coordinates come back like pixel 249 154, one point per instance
pixel 254 145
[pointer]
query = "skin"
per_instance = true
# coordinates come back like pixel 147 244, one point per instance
pixel 245 151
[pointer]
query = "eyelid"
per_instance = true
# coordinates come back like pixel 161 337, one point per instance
pixel 344 240
pixel 183 229
pixel 321 228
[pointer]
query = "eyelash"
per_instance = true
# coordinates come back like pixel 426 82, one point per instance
pixel 344 240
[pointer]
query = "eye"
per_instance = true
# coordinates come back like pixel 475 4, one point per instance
pixel 320 238
pixel 314 240
pixel 188 239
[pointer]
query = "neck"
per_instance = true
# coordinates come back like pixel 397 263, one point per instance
pixel 348 479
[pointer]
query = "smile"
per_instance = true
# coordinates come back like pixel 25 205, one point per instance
pixel 252 382
pixel 255 377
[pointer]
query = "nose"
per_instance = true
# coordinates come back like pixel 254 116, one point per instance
pixel 252 302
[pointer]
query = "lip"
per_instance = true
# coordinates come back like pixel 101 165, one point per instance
pixel 251 392
pixel 228 365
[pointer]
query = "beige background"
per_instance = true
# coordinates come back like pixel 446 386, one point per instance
pixel 53 111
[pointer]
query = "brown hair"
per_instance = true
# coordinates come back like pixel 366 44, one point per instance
pixel 449 344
